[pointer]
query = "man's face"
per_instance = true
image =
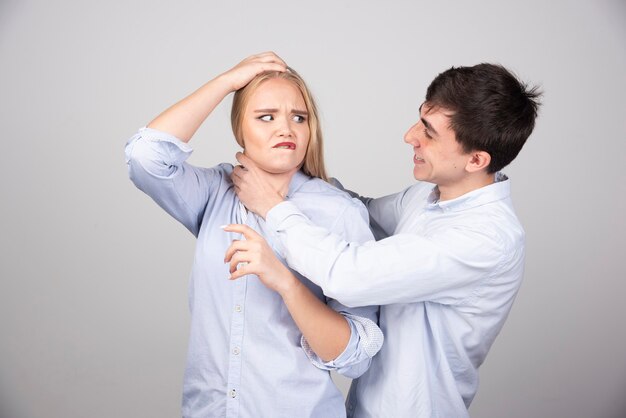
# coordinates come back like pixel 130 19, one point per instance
pixel 438 157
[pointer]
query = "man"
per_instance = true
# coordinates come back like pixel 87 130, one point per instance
pixel 450 252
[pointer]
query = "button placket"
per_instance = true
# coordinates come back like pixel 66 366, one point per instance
pixel 236 341
pixel 237 325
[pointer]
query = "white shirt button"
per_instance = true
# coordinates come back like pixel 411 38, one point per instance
pixel 232 393
pixel 237 308
pixel 236 351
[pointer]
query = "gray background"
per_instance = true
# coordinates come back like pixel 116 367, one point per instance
pixel 93 307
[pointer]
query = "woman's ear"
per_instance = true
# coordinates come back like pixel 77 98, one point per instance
pixel 479 160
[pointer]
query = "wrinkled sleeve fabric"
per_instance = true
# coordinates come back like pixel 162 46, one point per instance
pixel 156 165
pixel 404 268
pixel 384 212
pixel 366 338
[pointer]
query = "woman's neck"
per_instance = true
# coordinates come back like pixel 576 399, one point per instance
pixel 279 182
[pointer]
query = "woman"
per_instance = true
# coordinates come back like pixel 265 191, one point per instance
pixel 262 345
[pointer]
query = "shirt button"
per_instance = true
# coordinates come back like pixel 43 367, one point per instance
pixel 236 351
pixel 237 308
pixel 232 393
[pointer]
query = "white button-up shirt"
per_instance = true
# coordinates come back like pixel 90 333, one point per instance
pixel 447 273
pixel 247 357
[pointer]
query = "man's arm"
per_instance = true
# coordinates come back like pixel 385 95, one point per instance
pixel 384 212
pixel 444 268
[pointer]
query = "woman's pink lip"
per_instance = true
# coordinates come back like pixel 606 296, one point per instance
pixel 291 145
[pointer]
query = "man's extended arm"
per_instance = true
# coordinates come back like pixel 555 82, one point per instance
pixel 444 268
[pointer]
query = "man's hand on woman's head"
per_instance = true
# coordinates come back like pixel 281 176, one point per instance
pixel 252 188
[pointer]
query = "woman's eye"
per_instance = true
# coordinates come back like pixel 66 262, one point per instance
pixel 266 118
pixel 299 118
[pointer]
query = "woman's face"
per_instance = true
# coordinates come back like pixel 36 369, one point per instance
pixel 275 126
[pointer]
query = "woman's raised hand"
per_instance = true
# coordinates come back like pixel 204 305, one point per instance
pixel 241 74
pixel 185 117
pixel 254 256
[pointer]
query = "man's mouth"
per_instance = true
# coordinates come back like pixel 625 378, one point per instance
pixel 417 160
pixel 285 145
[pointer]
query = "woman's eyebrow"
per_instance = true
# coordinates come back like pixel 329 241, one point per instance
pixel 299 112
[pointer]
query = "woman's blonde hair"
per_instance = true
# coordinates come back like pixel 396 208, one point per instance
pixel 313 164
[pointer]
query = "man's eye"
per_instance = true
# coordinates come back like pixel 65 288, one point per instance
pixel 299 118
pixel 266 118
pixel 427 134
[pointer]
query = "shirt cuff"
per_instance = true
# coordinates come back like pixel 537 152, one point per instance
pixel 366 339
pixel 340 360
pixel 159 136
pixel 157 148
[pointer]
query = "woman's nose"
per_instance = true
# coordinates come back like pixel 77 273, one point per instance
pixel 284 127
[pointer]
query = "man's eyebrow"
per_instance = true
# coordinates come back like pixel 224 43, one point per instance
pixel 426 123
pixel 429 126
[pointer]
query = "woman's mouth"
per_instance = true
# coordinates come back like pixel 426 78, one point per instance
pixel 285 145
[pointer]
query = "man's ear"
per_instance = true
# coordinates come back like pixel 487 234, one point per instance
pixel 479 160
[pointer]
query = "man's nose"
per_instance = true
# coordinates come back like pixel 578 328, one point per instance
pixel 412 136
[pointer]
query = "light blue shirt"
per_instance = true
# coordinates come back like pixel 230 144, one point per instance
pixel 247 357
pixel 447 273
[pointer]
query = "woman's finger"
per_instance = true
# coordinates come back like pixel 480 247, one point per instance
pixel 272 57
pixel 238 260
pixel 240 272
pixel 245 230
pixel 235 246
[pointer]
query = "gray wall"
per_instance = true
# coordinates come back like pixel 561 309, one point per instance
pixel 93 308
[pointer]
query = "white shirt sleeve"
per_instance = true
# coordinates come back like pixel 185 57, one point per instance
pixel 366 338
pixel 444 268
pixel 384 212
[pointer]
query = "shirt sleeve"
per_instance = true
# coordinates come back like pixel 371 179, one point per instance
pixel 384 212
pixel 366 338
pixel 156 165
pixel 444 268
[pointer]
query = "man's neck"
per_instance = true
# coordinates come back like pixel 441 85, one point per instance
pixel 466 185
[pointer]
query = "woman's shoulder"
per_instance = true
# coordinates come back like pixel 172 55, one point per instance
pixel 321 198
pixel 323 190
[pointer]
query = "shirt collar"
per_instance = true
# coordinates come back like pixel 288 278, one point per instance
pixel 499 190
pixel 298 179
